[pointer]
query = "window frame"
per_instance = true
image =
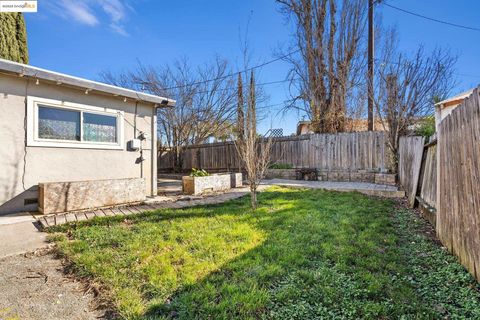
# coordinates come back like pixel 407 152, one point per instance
pixel 33 139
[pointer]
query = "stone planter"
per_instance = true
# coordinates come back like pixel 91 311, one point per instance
pixel 212 183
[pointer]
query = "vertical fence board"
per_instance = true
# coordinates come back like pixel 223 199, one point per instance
pixel 410 153
pixel 428 190
pixel 458 154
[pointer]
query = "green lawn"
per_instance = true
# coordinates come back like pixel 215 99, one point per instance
pixel 303 254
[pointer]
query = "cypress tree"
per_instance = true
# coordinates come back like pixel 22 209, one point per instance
pixel 13 37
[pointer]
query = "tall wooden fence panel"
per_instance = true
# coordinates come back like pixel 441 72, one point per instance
pixel 410 153
pixel 428 189
pixel 458 218
pixel 342 151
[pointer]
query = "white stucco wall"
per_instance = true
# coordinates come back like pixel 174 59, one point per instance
pixel 22 168
pixel 442 112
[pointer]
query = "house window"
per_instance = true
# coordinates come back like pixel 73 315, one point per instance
pixel 53 123
pixel 59 124
pixel 99 128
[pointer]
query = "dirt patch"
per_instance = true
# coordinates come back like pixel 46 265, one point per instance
pixel 34 286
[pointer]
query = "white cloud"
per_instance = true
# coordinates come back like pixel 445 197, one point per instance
pixel 91 12
pixel 117 12
pixel 80 11
pixel 119 29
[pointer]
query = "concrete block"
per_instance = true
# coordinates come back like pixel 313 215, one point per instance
pixel 385 178
pixel 55 197
pixel 236 180
pixel 281 174
pixel 343 176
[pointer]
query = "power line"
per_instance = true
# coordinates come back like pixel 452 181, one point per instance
pixel 432 19
pixel 235 73
pixel 405 64
pixel 467 75
pixel 256 85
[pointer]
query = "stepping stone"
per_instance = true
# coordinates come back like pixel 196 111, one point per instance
pixel 117 212
pixel 108 212
pixel 134 209
pixel 99 213
pixel 125 211
pixel 80 216
pixel 90 214
pixel 70 217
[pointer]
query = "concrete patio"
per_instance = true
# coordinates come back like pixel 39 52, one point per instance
pixel 174 187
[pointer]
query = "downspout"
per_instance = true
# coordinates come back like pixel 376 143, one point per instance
pixel 154 152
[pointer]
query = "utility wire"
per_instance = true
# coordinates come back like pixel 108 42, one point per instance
pixel 404 64
pixel 235 73
pixel 432 19
pixel 256 85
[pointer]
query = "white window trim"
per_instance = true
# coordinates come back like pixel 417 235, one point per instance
pixel 32 125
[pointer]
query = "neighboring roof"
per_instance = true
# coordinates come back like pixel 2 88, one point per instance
pixel 456 99
pixel 351 125
pixel 24 70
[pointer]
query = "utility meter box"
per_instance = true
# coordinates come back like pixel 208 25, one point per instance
pixel 143 136
pixel 134 144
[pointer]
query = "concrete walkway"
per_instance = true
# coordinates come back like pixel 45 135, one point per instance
pixel 19 233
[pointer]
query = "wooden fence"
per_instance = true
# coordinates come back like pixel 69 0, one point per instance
pixel 458 218
pixel 342 151
pixel 409 163
pixel 428 177
pixel 444 176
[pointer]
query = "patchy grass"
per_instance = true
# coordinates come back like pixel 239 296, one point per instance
pixel 302 254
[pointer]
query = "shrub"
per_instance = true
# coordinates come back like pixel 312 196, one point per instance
pixel 426 127
pixel 199 173
pixel 281 166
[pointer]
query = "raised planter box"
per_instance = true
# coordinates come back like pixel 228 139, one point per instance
pixel 55 197
pixel 212 183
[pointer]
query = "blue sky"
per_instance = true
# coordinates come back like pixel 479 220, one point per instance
pixel 85 37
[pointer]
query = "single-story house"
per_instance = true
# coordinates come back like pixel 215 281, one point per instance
pixel 59 128
pixel 445 107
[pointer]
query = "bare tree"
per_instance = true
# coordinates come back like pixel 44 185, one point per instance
pixel 330 63
pixel 205 101
pixel 407 87
pixel 253 151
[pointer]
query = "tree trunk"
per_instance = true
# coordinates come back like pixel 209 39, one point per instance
pixel 253 197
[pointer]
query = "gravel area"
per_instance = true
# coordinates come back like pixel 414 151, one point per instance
pixel 34 286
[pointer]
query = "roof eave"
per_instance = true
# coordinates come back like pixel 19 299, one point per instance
pixel 23 70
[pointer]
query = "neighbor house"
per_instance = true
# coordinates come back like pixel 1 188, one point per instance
pixel 351 125
pixel 445 107
pixel 59 128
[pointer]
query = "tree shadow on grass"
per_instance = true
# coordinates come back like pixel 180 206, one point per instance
pixel 326 254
